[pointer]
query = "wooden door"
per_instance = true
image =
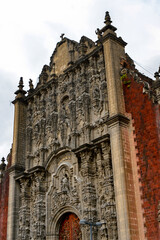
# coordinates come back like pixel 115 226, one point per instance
pixel 70 227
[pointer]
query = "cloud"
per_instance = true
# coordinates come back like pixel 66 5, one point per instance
pixel 34 51
pixel 6 110
pixel 30 30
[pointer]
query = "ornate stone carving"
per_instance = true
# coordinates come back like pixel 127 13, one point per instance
pixel 24 212
pixel 38 206
pixel 96 100
pixel 63 190
pixel 64 113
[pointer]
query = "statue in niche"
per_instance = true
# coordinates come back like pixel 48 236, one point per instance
pixel 65 183
pixel 96 99
pixel 64 126
pixel 64 114
pixel 37 135
pixel 80 113
pixel 104 95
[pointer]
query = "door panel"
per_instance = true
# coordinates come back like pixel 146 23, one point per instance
pixel 70 227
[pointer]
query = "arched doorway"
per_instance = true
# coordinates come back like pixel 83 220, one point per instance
pixel 69 227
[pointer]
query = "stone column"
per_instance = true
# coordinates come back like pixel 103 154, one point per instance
pixel 17 163
pixel 116 130
pixel 13 206
pixel 18 151
pixel 113 51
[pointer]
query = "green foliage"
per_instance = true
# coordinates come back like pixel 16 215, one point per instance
pixel 124 76
pixel 125 80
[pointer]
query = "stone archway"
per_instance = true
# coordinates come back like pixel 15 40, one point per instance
pixel 69 227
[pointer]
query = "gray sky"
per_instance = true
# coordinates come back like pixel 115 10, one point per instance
pixel 30 30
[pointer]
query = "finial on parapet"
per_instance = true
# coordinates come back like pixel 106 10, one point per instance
pixel 3 160
pixel 21 83
pixel 82 47
pixel 107 29
pixel 20 92
pixel 31 87
pixel 99 33
pixel 30 84
pixel 157 75
pixel 107 19
pixel 2 165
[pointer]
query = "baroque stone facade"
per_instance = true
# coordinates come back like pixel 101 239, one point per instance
pixel 74 152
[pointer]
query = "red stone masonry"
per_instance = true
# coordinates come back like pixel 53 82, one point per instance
pixel 4 191
pixel 146 116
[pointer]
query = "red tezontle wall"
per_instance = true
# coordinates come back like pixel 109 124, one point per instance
pixel 4 190
pixel 146 117
pixel 4 186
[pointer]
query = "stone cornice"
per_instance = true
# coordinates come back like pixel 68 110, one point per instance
pixel 20 99
pixel 112 37
pixel 30 172
pixel 118 118
pixel 16 168
pixel 92 145
pixel 84 147
pixel 36 169
pixel 101 139
pixel 21 175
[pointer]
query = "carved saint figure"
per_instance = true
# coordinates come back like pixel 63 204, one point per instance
pixel 65 183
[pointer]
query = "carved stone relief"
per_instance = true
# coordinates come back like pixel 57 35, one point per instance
pixel 63 113
pixel 66 114
pixel 32 209
pixel 85 185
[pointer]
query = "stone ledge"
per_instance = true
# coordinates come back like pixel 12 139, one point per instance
pixel 92 145
pixel 20 99
pixel 113 37
pixel 118 118
pixel 101 139
pixel 17 168
pixel 30 172
pixel 36 169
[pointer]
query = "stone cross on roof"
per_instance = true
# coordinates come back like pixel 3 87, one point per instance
pixel 62 36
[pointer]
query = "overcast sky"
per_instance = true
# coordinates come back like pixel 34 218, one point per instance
pixel 30 30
